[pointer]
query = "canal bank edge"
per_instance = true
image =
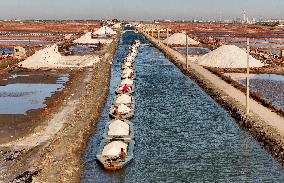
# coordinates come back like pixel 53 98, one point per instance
pixel 62 160
pixel 268 135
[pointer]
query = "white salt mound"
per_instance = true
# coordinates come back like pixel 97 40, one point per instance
pixel 87 39
pixel 123 109
pixel 104 31
pixel 180 39
pixel 118 128
pixel 228 56
pixel 114 148
pixel 117 26
pixel 123 99
pixel 50 57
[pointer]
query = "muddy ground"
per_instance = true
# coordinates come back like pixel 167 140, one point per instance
pixel 74 112
pixel 15 126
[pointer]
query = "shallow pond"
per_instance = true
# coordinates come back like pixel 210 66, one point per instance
pixel 193 50
pixel 23 42
pixel 181 134
pixel 271 86
pixel 83 48
pixel 19 97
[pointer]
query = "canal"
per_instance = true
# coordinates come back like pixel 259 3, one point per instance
pixel 181 134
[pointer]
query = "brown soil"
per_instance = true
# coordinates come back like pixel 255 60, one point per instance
pixel 60 159
pixel 13 127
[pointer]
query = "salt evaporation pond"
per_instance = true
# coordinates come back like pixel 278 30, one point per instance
pixel 23 42
pixel 8 51
pixel 18 98
pixel 83 48
pixel 193 50
pixel 181 134
pixel 271 86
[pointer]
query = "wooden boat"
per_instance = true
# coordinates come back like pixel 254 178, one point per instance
pixel 127 115
pixel 130 136
pixel 132 90
pixel 114 163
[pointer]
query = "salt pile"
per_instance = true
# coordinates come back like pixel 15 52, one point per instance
pixel 117 26
pixel 104 31
pixel 114 148
pixel 50 57
pixel 123 99
pixel 180 39
pixel 228 56
pixel 123 109
pixel 118 128
pixel 128 82
pixel 87 39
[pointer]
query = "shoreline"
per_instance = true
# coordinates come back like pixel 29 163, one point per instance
pixel 266 132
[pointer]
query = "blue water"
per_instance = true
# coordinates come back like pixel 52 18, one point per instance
pixel 8 51
pixel 181 134
pixel 193 50
pixel 83 48
pixel 18 98
pixel 271 86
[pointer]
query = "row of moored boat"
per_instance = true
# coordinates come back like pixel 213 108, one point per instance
pixel 116 148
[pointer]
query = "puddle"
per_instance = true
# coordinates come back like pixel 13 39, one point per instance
pixel 193 50
pixel 8 51
pixel 82 48
pixel 23 42
pixel 19 97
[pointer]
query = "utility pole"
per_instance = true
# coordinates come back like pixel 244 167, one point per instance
pixel 186 58
pixel 158 35
pixel 247 97
pixel 167 36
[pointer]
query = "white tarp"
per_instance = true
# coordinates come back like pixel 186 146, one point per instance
pixel 123 99
pixel 114 148
pixel 118 128
pixel 128 82
pixel 123 109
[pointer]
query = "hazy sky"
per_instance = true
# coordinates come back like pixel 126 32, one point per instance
pixel 139 9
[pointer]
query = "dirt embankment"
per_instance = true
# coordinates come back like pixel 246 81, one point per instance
pixel 62 160
pixel 269 137
pixel 58 158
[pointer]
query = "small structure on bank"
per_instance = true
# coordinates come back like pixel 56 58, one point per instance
pixel 19 52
